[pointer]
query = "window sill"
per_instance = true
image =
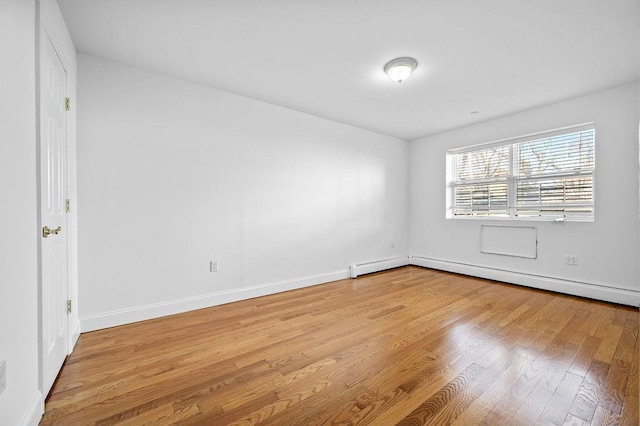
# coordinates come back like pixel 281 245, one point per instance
pixel 523 219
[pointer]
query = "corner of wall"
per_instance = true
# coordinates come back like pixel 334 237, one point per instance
pixel 34 412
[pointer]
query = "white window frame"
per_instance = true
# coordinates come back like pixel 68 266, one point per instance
pixel 512 179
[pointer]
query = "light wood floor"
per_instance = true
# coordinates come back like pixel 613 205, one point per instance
pixel 408 346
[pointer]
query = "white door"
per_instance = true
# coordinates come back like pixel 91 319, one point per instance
pixel 53 194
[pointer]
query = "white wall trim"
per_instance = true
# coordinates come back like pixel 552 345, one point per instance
pixel 34 412
pixel 155 310
pixel 576 288
pixel 378 265
pixel 74 333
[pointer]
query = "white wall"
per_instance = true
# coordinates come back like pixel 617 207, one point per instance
pixel 20 403
pixel 174 174
pixel 607 248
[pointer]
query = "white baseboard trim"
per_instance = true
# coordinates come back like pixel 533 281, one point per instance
pixel 376 266
pixel 75 330
pixel 576 288
pixel 34 412
pixel 156 310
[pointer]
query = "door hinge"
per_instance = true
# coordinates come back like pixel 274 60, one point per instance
pixel 68 306
pixel 67 205
pixel 67 104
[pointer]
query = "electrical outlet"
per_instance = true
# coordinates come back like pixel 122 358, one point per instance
pixel 3 375
pixel 393 244
pixel 571 260
pixel 213 266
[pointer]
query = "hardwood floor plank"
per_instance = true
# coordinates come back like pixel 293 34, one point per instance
pixel 558 407
pixel 629 415
pixel 495 391
pixel 318 408
pixel 409 345
pixel 432 406
pixel 585 355
pixel 620 368
pixel 552 363
pixel 610 335
pixel 437 377
pixel 164 415
pixel 590 392
pixel 520 391
pixel 604 417
pixel 367 407
pixel 230 415
pixel 575 421
pixel 468 395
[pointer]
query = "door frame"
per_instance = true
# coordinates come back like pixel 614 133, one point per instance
pixel 50 24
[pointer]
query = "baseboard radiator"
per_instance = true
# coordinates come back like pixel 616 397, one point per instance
pixel 559 285
pixel 379 265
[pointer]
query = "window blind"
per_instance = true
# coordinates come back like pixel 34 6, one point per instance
pixel 546 175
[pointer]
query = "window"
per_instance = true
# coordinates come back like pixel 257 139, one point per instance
pixel 547 175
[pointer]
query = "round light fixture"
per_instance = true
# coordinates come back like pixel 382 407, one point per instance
pixel 400 69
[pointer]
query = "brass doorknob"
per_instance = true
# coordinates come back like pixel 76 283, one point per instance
pixel 46 231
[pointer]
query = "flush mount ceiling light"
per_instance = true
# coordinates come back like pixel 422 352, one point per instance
pixel 400 69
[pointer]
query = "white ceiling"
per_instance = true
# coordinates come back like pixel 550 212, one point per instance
pixel 325 57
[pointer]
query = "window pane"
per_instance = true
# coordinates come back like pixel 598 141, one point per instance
pixel 571 190
pixel 557 154
pixel 482 164
pixel 481 198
